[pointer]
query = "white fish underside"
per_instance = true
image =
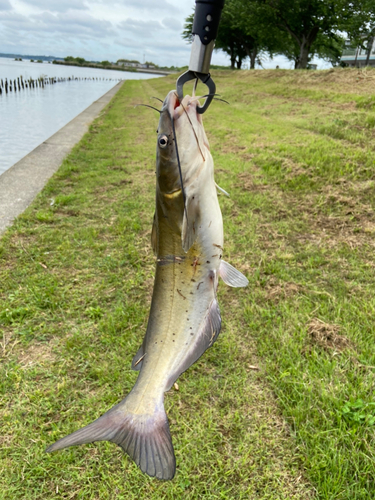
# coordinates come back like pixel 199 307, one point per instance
pixel 184 320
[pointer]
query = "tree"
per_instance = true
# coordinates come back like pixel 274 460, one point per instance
pixel 299 29
pixel 329 49
pixel 241 32
pixel 361 27
pixel 313 26
pixel 251 36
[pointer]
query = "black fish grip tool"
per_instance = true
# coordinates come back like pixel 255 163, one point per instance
pixel 205 28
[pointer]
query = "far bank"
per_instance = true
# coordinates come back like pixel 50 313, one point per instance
pixel 115 67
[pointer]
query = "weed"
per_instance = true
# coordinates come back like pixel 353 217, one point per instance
pixel 359 413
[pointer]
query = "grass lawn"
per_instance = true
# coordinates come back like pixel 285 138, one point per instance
pixel 283 405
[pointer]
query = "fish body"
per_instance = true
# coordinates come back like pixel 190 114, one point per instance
pixel 184 320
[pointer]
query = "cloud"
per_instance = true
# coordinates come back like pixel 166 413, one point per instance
pixel 5 5
pixel 172 23
pixel 57 5
pixel 140 28
pixel 76 24
pixel 161 6
pixel 97 29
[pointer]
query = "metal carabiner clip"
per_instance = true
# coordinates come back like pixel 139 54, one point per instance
pixel 205 28
pixel 204 78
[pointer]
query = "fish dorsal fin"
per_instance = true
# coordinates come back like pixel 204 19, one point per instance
pixel 154 236
pixel 207 334
pixel 190 222
pixel 231 276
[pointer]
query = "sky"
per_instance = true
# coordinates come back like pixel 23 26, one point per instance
pixel 144 30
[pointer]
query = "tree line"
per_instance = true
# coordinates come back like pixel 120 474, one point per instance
pixel 298 29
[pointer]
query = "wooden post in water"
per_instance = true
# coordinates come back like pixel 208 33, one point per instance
pixel 19 83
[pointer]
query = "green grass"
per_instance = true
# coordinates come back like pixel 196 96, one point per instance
pixel 295 150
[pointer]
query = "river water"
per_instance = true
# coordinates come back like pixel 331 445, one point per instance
pixel 30 116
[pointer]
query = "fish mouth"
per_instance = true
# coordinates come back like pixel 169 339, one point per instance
pixel 188 105
pixel 171 103
pixel 177 108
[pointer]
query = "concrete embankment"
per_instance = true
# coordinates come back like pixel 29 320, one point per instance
pixel 22 182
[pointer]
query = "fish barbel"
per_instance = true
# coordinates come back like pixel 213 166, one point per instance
pixel 184 320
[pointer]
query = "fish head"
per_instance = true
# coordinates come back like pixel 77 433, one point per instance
pixel 182 145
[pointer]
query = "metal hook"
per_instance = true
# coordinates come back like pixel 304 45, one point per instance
pixel 204 78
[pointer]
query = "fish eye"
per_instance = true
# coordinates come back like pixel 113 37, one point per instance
pixel 163 141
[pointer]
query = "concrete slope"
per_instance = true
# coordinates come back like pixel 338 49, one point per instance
pixel 22 182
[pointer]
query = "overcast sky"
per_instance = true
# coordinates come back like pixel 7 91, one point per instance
pixel 147 30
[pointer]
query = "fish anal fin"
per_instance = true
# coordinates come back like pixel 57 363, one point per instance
pixel 154 236
pixel 205 337
pixel 137 360
pixel 231 276
pixel 145 438
pixel 190 222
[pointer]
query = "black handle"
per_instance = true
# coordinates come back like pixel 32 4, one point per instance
pixel 206 19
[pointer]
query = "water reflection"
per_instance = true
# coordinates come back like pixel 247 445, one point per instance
pixel 30 116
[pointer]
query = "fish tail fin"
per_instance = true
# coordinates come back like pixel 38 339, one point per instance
pixel 145 438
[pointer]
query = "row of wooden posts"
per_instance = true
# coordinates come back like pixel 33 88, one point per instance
pixel 19 83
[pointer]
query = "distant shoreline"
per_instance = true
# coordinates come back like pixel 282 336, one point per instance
pixel 129 69
pixel 88 64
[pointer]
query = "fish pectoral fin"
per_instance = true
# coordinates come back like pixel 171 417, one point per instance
pixel 154 236
pixel 231 276
pixel 145 438
pixel 190 222
pixel 222 190
pixel 137 360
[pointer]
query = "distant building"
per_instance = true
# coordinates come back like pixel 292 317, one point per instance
pixel 135 64
pixel 356 56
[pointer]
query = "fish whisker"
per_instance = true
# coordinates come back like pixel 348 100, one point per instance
pixel 148 106
pixel 195 86
pixel 178 163
pixel 195 134
pixel 222 100
pixel 157 98
pixel 208 95
pixel 215 98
